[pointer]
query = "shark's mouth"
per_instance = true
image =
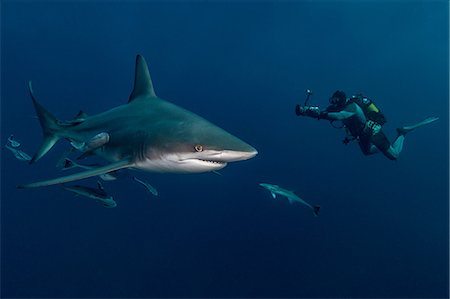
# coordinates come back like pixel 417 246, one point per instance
pixel 199 165
pixel 213 162
pixel 205 163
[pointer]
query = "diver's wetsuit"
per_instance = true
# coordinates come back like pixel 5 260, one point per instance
pixel 371 138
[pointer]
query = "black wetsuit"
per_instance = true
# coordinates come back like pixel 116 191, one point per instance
pixel 370 136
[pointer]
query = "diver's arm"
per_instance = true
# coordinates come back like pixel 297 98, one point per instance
pixel 315 112
pixel 344 114
pixel 350 110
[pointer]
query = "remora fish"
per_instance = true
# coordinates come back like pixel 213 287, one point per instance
pixel 20 155
pixel 291 196
pixel 147 133
pixel 98 194
pixel 96 142
pixel 13 142
pixel 147 186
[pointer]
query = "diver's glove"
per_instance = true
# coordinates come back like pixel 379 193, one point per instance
pixel 311 111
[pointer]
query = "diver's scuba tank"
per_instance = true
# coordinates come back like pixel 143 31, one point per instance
pixel 370 109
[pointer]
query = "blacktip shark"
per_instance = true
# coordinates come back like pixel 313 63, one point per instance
pixel 99 194
pixel 291 196
pixel 148 133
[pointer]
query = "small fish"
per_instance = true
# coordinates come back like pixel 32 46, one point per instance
pixel 291 196
pixel 68 164
pixel 147 186
pixel 20 155
pixel 13 142
pixel 99 194
pixel 94 143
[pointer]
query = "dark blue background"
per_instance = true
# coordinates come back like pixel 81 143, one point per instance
pixel 383 229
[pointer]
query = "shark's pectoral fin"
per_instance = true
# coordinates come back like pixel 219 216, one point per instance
pixel 81 175
pixel 273 195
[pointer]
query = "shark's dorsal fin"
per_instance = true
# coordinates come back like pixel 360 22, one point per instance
pixel 142 81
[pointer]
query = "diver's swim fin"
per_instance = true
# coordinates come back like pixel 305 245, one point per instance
pixel 407 129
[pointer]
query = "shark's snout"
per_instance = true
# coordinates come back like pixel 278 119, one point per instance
pixel 231 156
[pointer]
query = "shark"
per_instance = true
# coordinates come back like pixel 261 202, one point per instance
pixel 291 196
pixel 147 133
pixel 99 194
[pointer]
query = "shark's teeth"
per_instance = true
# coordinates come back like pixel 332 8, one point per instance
pixel 215 162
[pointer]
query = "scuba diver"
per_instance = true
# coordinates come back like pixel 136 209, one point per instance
pixel 362 121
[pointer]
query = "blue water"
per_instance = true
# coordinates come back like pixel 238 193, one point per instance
pixel 244 65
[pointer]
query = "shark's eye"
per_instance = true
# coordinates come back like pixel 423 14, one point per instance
pixel 199 148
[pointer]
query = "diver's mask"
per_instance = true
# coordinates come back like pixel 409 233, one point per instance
pixel 338 99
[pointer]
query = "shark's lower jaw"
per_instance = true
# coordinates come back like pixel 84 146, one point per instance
pixel 191 165
pixel 201 165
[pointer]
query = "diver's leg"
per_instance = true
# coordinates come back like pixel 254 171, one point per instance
pixel 397 145
pixel 391 151
pixel 373 149
pixel 367 147
pixel 370 149
pixel 394 150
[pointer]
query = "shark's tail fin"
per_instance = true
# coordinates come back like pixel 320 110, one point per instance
pixel 316 210
pixel 49 125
